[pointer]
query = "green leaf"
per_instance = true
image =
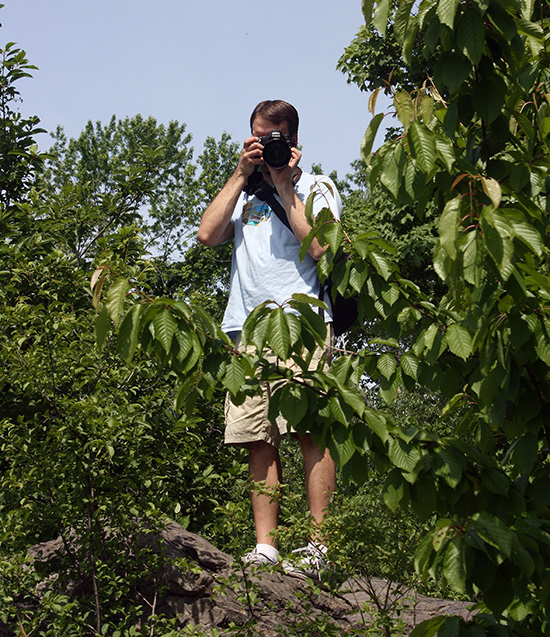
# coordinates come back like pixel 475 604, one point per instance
pixel 409 365
pixel 367 7
pixel 380 17
pixel 470 34
pixel 234 375
pixel 524 453
pixel 404 107
pixel 527 234
pixel 279 334
pixel 333 233
pixel 165 326
pixel 450 627
pixel 446 10
pixel 448 226
pixel 115 298
pixel 102 324
pixel 429 627
pixel 488 99
pixel 448 466
pixel 543 350
pixel 370 135
pixel 454 564
pixel 389 388
pixel 383 265
pixel 492 190
pixel 391 294
pixel 493 531
pixel 377 424
pixel 309 212
pixel 294 327
pixel 404 456
pixel 402 18
pixel 127 338
pixel 532 29
pixel 339 410
pixel 422 141
pixel 393 490
pixel 498 233
pixel 342 447
pixel 445 151
pixel 496 481
pixel 354 399
pixel 387 365
pixel 293 403
pixel 391 175
pixel 472 258
pixel 459 340
pixel 306 243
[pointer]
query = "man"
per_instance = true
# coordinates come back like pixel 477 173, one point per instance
pixel 266 265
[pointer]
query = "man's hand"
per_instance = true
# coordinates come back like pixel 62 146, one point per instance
pixel 282 178
pixel 251 156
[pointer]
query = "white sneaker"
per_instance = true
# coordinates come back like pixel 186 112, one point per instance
pixel 310 562
pixel 255 557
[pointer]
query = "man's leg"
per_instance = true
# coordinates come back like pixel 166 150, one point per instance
pixel 265 467
pixel 320 477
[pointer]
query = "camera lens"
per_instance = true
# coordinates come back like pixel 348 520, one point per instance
pixel 276 152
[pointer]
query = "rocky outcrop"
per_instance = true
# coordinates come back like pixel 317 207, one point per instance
pixel 205 587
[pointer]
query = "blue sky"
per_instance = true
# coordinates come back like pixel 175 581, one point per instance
pixel 203 62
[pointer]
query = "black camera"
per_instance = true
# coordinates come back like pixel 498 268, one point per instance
pixel 276 152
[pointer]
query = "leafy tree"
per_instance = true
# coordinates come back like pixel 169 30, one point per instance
pixel 91 450
pixel 20 157
pixel 374 62
pixel 104 158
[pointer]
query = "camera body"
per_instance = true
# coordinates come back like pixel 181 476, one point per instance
pixel 276 152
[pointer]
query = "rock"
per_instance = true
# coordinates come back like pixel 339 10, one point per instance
pixel 205 587
pixel 404 604
pixel 223 592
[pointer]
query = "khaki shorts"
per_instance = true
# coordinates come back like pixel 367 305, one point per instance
pixel 249 421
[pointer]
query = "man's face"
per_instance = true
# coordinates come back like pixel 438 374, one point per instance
pixel 262 127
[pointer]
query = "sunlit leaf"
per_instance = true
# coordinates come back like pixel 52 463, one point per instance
pixel 459 340
pixel 422 141
pixel 446 10
pixel 116 296
pixel 370 135
pixel 165 326
pixel 404 107
pixel 279 333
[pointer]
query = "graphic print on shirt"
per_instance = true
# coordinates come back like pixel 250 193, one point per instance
pixel 253 214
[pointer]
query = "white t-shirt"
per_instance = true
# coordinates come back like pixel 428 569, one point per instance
pixel 266 264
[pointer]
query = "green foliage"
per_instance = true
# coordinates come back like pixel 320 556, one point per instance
pixel 105 160
pixel 474 143
pixel 92 451
pixel 20 156
pixel 373 62
pixel 468 173
pixel 483 346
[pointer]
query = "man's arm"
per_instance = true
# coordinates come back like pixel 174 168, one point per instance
pixel 216 226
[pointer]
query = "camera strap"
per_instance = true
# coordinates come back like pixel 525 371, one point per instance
pixel 256 185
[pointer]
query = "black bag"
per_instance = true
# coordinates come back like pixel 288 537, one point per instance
pixel 344 311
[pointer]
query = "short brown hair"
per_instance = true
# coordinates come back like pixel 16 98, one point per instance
pixel 277 111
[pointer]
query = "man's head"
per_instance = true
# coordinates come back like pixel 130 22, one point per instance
pixel 282 115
